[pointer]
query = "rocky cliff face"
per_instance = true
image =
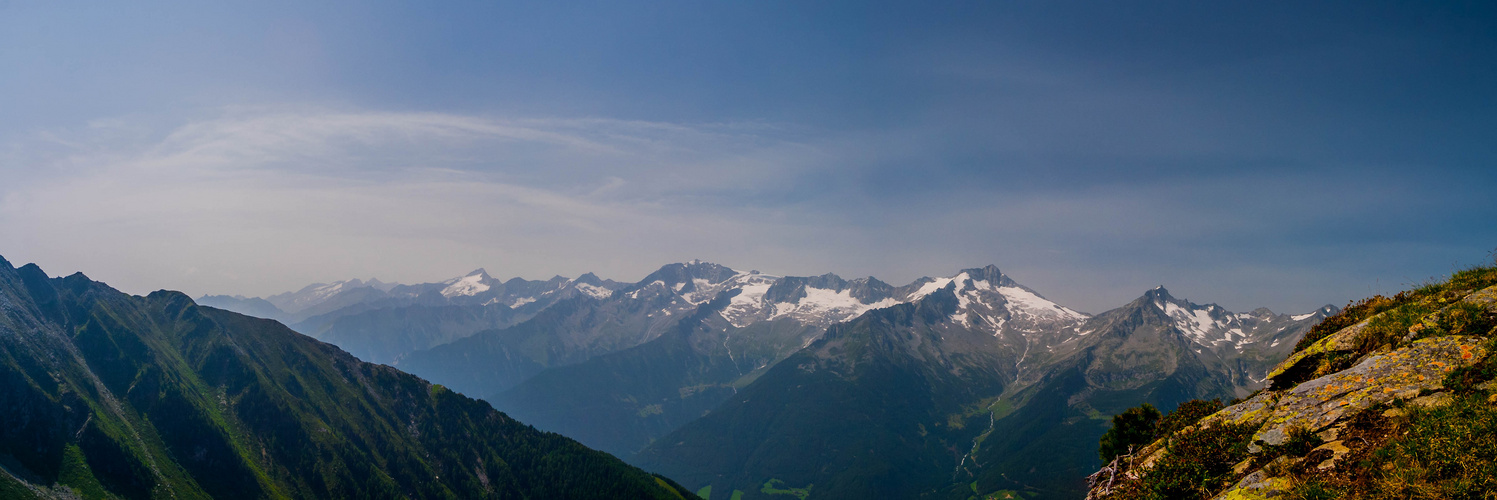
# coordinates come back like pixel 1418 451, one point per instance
pixel 1391 398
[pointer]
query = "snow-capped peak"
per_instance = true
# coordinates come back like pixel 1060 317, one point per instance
pixel 1022 299
pixel 592 290
pixel 474 283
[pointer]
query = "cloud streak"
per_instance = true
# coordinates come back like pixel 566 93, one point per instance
pixel 261 200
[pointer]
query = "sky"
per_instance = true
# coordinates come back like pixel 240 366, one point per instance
pixel 1242 153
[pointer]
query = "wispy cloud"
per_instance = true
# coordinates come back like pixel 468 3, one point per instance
pixel 316 195
pixel 261 200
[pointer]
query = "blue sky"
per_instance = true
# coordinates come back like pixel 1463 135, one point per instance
pixel 1245 153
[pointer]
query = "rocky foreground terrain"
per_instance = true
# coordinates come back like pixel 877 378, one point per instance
pixel 1391 398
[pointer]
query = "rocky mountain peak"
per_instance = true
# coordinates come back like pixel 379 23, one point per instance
pixel 990 274
pixel 686 273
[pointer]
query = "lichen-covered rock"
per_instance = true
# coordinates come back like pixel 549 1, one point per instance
pixel 1486 297
pixel 1337 449
pixel 1379 378
pixel 1256 409
pixel 1262 483
pixel 1435 400
pixel 1257 486
pixel 1344 339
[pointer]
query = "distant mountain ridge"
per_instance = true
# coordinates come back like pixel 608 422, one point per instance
pixel 663 369
pixel 382 322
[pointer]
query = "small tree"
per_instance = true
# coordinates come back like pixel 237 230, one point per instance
pixel 1134 427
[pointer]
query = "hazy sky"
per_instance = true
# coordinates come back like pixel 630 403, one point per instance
pixel 1244 153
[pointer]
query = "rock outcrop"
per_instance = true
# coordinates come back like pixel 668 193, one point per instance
pixel 1395 360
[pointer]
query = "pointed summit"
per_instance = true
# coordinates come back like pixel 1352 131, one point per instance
pixel 473 283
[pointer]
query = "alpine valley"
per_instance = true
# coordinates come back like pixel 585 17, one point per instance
pixel 745 385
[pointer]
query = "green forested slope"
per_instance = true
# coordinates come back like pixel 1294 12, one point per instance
pixel 119 396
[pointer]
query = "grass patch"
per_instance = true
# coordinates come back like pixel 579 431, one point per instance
pixel 11 488
pixel 777 487
pixel 1299 444
pixel 76 474
pixel 1445 453
pixel 705 492
pixel 649 410
pixel 1313 489
pixel 1448 452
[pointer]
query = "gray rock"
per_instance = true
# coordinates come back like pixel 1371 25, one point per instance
pixel 1377 379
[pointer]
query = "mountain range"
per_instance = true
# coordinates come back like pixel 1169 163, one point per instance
pixel 769 385
pixel 382 322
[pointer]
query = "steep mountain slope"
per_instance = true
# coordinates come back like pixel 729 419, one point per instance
pixel 1390 398
pixel 118 396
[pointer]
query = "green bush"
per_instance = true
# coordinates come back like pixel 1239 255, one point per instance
pixel 1133 428
pixel 1198 465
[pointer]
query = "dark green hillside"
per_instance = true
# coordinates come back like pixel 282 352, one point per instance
pixel 118 396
